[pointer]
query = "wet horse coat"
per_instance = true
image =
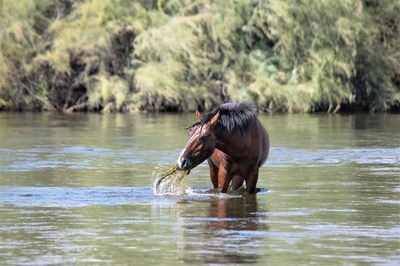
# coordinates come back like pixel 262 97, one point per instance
pixel 235 143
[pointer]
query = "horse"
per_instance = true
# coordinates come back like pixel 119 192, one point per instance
pixel 235 143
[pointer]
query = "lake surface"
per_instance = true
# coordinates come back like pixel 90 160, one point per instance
pixel 76 189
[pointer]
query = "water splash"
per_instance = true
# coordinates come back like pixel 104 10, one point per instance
pixel 168 180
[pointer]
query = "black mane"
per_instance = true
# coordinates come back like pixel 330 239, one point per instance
pixel 233 116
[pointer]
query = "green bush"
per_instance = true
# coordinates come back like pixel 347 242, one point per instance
pixel 182 55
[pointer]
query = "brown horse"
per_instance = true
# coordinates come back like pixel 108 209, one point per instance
pixel 235 143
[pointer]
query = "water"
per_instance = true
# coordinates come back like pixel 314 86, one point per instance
pixel 76 189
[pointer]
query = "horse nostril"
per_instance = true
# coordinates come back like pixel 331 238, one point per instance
pixel 183 163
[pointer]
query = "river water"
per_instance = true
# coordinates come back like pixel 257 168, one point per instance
pixel 76 189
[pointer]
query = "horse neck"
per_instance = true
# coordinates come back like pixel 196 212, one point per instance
pixel 229 143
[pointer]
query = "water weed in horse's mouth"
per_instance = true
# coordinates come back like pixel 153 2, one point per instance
pixel 169 180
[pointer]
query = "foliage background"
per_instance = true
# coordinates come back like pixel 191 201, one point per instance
pixel 182 55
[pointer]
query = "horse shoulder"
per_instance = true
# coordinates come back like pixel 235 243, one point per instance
pixel 218 157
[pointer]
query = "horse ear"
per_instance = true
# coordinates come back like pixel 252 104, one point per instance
pixel 214 119
pixel 198 115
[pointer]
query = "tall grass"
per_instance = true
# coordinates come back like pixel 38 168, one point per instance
pixel 179 55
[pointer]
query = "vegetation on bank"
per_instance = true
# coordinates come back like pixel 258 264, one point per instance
pixel 179 55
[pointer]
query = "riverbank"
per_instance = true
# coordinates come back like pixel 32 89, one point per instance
pixel 178 56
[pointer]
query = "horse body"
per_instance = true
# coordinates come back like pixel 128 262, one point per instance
pixel 235 143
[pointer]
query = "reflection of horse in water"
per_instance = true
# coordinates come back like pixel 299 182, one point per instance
pixel 235 143
pixel 229 234
pixel 231 211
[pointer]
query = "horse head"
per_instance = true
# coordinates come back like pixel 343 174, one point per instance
pixel 201 143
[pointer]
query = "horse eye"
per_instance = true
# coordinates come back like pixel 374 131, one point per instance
pixel 203 139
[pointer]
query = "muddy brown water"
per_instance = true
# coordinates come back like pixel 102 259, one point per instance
pixel 77 189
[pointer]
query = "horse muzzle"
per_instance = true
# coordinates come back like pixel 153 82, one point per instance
pixel 184 164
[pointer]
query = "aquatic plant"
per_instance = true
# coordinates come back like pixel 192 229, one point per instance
pixel 168 180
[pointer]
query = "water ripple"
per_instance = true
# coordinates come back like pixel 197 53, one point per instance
pixel 80 157
pixel 67 197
